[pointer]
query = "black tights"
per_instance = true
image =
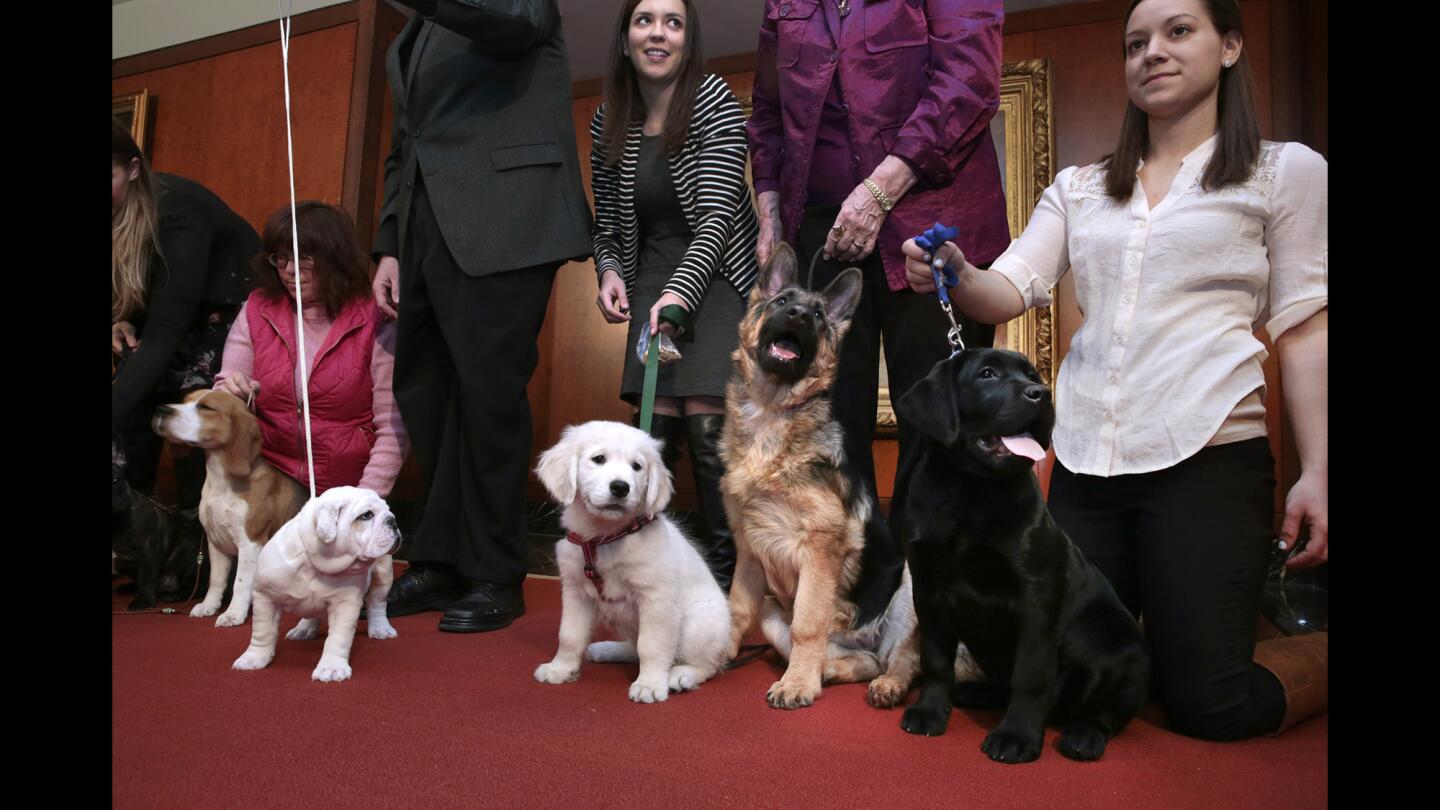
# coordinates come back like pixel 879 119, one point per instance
pixel 1187 549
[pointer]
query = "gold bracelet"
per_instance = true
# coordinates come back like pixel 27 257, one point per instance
pixel 881 197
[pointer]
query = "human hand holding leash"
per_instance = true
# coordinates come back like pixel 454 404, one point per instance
pixel 657 325
pixel 611 300
pixel 122 334
pixel 240 386
pixel 919 264
pixel 386 286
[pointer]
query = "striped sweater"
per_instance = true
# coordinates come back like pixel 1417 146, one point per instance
pixel 709 177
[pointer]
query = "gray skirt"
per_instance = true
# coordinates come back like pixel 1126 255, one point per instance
pixel 705 366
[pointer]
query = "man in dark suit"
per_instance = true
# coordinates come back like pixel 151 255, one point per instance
pixel 483 203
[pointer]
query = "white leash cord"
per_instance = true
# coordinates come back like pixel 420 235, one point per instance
pixel 300 358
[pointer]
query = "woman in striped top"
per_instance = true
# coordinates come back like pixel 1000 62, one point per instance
pixel 674 226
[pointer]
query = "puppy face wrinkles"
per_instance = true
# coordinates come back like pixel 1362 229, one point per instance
pixel 611 470
pixel 987 407
pixel 351 528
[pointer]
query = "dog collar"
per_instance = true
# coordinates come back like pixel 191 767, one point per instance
pixel 589 546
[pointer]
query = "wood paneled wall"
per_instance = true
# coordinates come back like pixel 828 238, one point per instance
pixel 219 118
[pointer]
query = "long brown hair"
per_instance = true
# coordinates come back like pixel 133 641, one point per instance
pixel 1239 143
pixel 132 229
pixel 342 269
pixel 623 103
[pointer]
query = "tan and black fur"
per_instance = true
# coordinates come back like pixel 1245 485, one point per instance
pixel 838 605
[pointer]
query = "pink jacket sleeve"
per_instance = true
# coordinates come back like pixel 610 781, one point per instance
pixel 391 442
pixel 239 354
pixel 765 132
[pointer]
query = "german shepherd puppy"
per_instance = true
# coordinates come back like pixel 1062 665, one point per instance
pixel 993 570
pixel 804 522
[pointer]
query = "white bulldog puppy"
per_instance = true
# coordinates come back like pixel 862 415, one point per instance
pixel 322 563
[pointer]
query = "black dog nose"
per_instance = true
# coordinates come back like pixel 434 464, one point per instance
pixel 164 410
pixel 798 312
pixel 619 489
pixel 1037 393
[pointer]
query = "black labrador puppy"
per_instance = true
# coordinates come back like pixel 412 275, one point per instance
pixel 992 570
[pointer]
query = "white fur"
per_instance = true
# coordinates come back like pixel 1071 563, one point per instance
pixel 659 595
pixel 222 514
pixel 321 564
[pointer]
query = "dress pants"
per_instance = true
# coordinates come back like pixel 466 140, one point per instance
pixel 465 350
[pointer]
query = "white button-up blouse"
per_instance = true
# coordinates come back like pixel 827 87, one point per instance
pixel 1172 298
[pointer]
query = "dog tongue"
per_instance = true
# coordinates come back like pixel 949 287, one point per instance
pixel 782 352
pixel 1024 446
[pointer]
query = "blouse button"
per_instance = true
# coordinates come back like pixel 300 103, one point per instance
pixel 1119 341
pixel 1109 417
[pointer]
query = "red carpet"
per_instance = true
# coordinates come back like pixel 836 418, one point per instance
pixel 434 719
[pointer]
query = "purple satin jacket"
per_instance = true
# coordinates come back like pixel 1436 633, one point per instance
pixel 920 80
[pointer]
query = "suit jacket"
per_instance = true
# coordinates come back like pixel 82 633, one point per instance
pixel 920 80
pixel 482 114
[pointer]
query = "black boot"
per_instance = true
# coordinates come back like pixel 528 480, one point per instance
pixel 669 429
pixel 716 542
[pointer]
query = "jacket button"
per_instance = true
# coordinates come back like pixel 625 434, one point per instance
pixel 834 55
pixel 784 11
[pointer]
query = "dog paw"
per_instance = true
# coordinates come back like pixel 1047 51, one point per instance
pixel 552 672
pixel 1012 747
pixel 886 692
pixel 684 677
pixel 649 691
pixel 304 631
pixel 253 659
pixel 1083 743
pixel 921 719
pixel 379 627
pixel 228 619
pixel 331 669
pixel 203 610
pixel 784 695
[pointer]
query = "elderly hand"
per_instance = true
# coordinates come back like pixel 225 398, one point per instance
pixel 767 210
pixel 122 334
pixel 918 264
pixel 856 227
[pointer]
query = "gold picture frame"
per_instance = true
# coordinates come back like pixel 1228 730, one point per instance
pixel 133 109
pixel 1024 133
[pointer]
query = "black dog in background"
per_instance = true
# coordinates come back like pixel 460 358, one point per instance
pixel 161 549
pixel 992 570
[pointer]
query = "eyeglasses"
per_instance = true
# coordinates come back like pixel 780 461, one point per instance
pixel 282 259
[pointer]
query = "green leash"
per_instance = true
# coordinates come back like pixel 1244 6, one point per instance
pixel 680 319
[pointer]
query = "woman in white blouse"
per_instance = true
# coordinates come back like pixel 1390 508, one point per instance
pixel 1164 477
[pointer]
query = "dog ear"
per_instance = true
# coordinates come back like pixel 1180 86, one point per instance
pixel 659 486
pixel 780 272
pixel 325 519
pixel 930 407
pixel 244 446
pixel 559 469
pixel 842 295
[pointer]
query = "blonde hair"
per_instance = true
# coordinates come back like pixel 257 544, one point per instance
pixel 133 231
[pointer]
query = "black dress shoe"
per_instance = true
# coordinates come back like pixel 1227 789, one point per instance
pixel 422 587
pixel 486 606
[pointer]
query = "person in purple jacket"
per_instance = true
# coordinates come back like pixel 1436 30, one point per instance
pixel 872 123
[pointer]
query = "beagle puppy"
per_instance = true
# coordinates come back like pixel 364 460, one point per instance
pixel 245 500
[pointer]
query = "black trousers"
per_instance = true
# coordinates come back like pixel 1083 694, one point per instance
pixel 465 350
pixel 913 327
pixel 1187 549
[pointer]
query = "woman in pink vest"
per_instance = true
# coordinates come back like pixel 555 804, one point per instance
pixel 356 432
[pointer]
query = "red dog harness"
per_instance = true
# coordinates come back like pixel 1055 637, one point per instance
pixel 589 546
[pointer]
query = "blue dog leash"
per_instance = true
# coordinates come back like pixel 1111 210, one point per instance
pixel 945 277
